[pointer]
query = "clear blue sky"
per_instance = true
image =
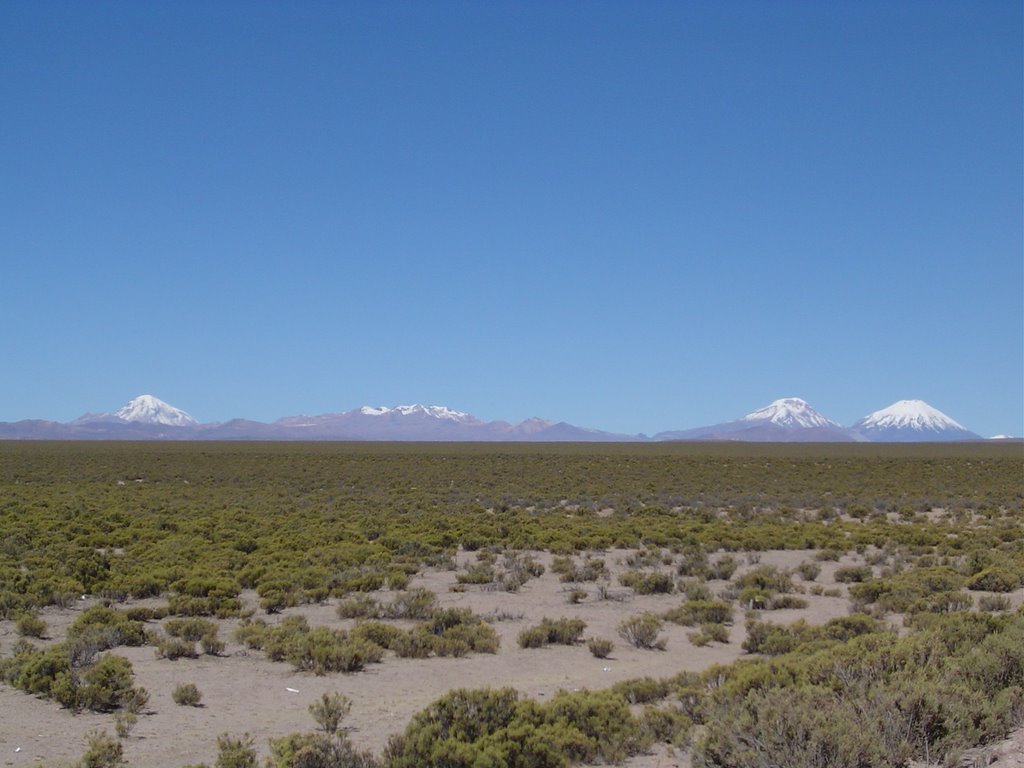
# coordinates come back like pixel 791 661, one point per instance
pixel 629 216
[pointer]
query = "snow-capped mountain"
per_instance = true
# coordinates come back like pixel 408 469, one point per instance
pixel 911 421
pixel 787 420
pixel 433 411
pixel 146 409
pixel 790 412
pixel 429 422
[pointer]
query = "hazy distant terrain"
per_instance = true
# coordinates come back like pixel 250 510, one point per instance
pixel 788 420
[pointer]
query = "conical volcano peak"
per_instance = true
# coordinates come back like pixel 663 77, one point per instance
pixel 147 409
pixel 790 412
pixel 909 414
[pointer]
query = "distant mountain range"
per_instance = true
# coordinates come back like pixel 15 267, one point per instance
pixel 787 420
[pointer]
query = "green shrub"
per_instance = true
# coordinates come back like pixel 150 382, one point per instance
pixel 993 603
pixel 174 648
pixel 709 633
pixel 108 684
pixel 600 647
pixel 562 631
pixel 766 579
pixel 359 607
pixel 494 728
pixel 103 752
pixel 477 574
pixel 415 644
pixel 143 613
pixel 101 628
pixel 204 596
pixel 124 722
pixel 648 583
pixel 186 695
pixel 996 579
pixel 192 629
pixel 30 625
pixel 235 752
pixel 414 604
pixel 642 631
pixel 642 690
pixel 782 602
pixel 317 750
pixel 853 574
pixel 694 612
pixel 667 725
pixel 899 592
pixel 723 568
pixel 696 590
pixel 808 571
pixel 211 644
pixel 329 710
pixel 378 633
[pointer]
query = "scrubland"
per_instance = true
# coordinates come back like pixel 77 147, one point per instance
pixel 509 605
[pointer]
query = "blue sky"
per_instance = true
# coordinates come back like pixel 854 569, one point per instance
pixel 630 216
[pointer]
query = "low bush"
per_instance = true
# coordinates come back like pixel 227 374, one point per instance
pixel 723 568
pixel 808 571
pixel 124 723
pixel 997 578
pixel 694 612
pixel 782 602
pixel 851 574
pixel 329 710
pixel 174 648
pixel 642 631
pixel 600 647
pixel 642 690
pixel 775 639
pixel 562 631
pixel 709 633
pixel 30 625
pixel 993 603
pixel 190 629
pixel 100 628
pixel 186 695
pixel 317 750
pixel 235 752
pixel 495 728
pixel 899 592
pixel 651 583
pixel 103 752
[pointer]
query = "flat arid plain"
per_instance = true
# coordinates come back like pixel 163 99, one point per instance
pixel 667 605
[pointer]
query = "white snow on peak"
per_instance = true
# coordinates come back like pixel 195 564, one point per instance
pixel 790 412
pixel 147 409
pixel 910 414
pixel 1001 437
pixel 435 411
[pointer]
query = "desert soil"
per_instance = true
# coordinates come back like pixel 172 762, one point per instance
pixel 243 692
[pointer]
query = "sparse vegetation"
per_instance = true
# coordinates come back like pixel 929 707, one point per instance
pixel 928 528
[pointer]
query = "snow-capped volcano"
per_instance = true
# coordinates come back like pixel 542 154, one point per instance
pixel 910 421
pixel 786 420
pixel 790 412
pixel 147 409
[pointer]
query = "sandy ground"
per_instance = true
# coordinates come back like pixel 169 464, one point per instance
pixel 242 692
